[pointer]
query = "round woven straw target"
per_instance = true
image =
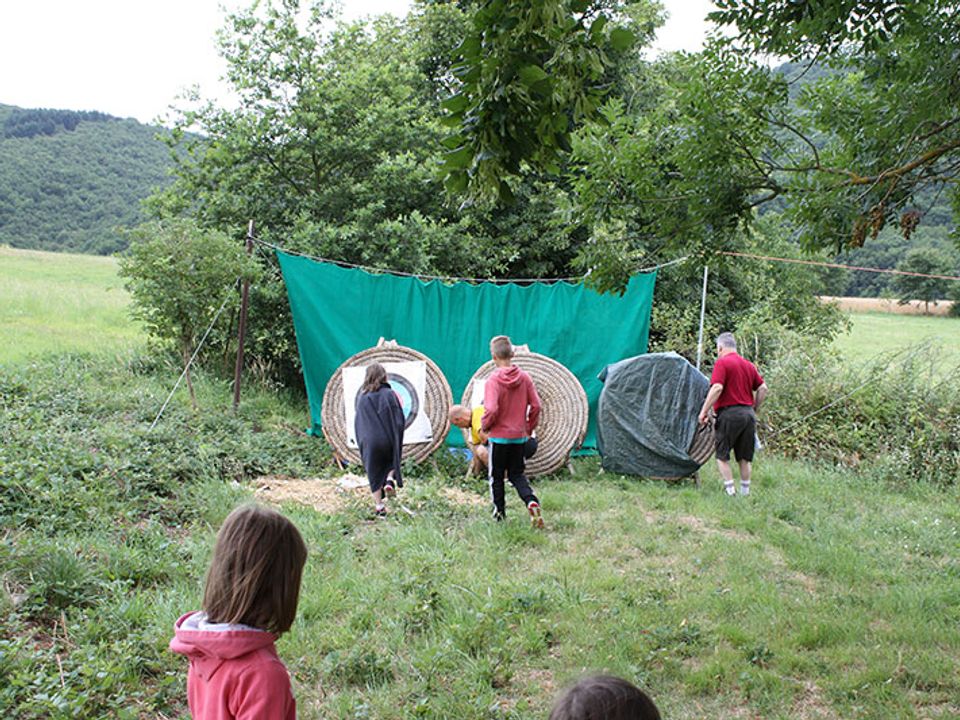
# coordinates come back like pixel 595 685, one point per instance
pixel 703 444
pixel 437 402
pixel 563 417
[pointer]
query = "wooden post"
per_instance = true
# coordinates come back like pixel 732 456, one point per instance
pixel 703 309
pixel 242 325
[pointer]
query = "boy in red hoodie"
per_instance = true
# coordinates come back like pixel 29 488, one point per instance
pixel 511 411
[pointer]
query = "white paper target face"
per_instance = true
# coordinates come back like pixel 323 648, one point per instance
pixel 409 380
pixel 476 394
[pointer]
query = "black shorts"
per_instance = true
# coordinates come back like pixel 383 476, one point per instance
pixel 735 430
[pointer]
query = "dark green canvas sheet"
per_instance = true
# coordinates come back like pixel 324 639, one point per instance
pixel 337 312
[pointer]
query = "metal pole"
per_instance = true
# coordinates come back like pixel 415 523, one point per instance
pixel 703 309
pixel 242 329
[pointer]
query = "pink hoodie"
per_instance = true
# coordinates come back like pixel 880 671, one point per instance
pixel 235 673
pixel 506 395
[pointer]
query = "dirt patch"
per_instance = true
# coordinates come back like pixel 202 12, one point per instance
pixel 335 494
pixel 810 705
pixel 457 496
pixel 931 710
pixel 326 495
pixel 886 305
pixel 695 523
pixel 542 679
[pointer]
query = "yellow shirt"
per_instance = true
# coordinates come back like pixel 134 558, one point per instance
pixel 475 417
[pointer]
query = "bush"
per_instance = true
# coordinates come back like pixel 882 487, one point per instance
pixel 896 419
pixel 99 511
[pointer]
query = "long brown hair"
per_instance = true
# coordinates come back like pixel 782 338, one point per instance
pixel 604 697
pixel 254 577
pixel 375 377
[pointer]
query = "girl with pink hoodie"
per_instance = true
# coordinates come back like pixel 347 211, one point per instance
pixel 250 599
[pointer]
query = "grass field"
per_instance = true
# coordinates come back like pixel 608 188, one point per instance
pixel 825 595
pixel 54 302
pixel 874 334
pixel 819 597
pixel 822 596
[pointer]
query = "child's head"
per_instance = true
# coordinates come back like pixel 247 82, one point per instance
pixel 460 416
pixel 501 348
pixel 254 577
pixel 604 697
pixel 375 377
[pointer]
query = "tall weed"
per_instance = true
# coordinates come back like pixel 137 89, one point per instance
pixel 896 419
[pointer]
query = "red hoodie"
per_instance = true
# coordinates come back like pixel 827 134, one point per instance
pixel 506 395
pixel 235 673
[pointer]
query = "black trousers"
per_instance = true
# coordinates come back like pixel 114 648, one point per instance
pixel 507 461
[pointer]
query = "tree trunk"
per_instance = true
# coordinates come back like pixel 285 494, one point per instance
pixel 186 367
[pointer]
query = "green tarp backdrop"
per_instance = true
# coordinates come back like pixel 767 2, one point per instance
pixel 338 312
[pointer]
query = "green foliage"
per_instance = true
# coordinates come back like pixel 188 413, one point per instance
pixel 802 28
pixel 886 252
pixel 336 158
pixel 851 152
pixel 69 179
pixel 630 192
pixel 333 151
pixel 179 276
pixel 526 75
pixel 863 143
pixel 657 179
pixel 924 261
pixel 106 529
pixel 331 128
pixel 102 522
pixel 29 123
pixel 896 419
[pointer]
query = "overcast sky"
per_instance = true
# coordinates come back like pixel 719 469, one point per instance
pixel 131 58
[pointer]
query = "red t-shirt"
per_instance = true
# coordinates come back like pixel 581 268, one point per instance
pixel 739 378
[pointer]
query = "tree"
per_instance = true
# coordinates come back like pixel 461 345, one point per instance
pixel 925 261
pixel 333 149
pixel 335 144
pixel 851 152
pixel 866 141
pixel 179 275
pixel 71 190
pixel 527 74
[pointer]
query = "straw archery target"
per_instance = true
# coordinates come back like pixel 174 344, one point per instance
pixel 432 398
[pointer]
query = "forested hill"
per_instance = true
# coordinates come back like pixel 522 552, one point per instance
pixel 68 179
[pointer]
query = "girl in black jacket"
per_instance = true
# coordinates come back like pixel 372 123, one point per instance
pixel 379 431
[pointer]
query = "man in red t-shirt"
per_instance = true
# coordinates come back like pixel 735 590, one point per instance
pixel 736 391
